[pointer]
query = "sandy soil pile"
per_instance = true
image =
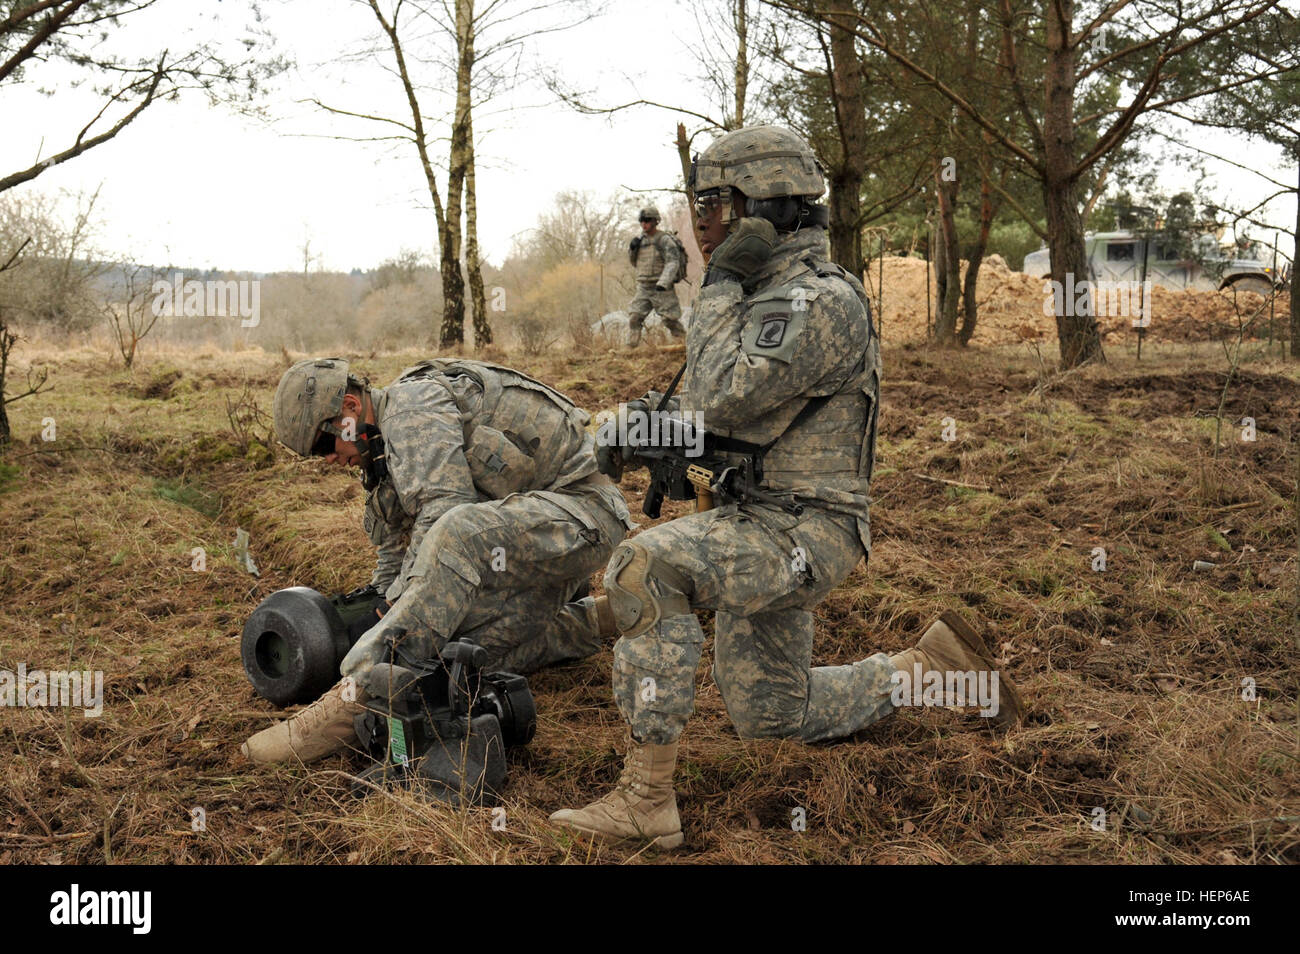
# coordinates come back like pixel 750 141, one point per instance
pixel 1011 308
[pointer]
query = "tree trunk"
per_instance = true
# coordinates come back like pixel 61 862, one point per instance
pixel 453 283
pixel 742 60
pixel 482 330
pixel 7 341
pixel 426 164
pixel 847 92
pixel 1295 276
pixel 987 211
pixel 949 269
pixel 684 156
pixel 1076 327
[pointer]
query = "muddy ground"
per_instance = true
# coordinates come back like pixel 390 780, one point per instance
pixel 1134 675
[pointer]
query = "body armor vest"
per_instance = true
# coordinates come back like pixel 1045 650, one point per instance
pixel 822 448
pixel 650 260
pixel 520 434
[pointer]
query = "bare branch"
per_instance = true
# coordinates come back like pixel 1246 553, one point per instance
pixel 38 37
pixel 874 36
pixel 13 259
pixel 82 145
pixel 1104 17
pixel 1010 200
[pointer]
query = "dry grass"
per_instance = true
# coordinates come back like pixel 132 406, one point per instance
pixel 1133 675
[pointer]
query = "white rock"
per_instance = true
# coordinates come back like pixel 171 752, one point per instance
pixel 614 326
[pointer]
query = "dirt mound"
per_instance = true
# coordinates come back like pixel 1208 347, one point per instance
pixel 1011 308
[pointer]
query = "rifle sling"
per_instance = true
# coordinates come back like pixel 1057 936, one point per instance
pixel 668 395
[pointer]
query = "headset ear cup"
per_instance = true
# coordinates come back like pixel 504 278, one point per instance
pixel 789 213
pixel 782 212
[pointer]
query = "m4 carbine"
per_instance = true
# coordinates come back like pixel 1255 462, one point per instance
pixel 710 479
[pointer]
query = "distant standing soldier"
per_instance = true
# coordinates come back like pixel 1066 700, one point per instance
pixel 654 256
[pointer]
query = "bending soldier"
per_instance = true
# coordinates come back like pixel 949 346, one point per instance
pixel 487 510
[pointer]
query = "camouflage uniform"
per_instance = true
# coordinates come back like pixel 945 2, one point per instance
pixel 754 361
pixel 655 260
pixel 491 514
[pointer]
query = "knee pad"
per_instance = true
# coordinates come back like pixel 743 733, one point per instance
pixel 642 590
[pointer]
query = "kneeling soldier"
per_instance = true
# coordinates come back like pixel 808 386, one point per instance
pixel 782 356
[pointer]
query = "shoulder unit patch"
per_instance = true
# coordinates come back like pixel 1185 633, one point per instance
pixel 776 319
pixel 772 331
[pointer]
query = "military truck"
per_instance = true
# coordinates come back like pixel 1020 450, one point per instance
pixel 1117 257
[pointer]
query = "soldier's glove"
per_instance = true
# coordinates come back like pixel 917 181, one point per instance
pixel 743 252
pixel 609 461
pixel 661 288
pixel 368 651
pixel 612 458
pixel 642 405
pixel 635 244
pixel 652 400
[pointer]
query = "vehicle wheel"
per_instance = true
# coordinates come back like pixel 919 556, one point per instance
pixel 1260 286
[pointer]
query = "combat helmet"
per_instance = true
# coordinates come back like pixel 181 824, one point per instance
pixel 310 393
pixel 763 162
pixel 648 214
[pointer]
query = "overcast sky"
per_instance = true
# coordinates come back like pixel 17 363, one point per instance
pixel 190 184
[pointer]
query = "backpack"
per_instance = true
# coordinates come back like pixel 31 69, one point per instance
pixel 680 249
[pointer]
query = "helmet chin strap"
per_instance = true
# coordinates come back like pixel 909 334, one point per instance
pixel 724 196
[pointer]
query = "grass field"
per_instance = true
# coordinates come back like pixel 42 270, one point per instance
pixel 1133 675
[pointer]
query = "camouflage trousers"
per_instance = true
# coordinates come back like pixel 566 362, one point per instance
pixel 664 303
pixel 500 573
pixel 763 571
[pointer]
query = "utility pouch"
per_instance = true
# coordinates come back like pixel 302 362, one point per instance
pixel 499 465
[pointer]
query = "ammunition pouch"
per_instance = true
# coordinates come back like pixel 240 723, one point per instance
pixel 500 463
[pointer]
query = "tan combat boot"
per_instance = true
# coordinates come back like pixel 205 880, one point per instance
pixel 323 728
pixel 952 645
pixel 643 806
